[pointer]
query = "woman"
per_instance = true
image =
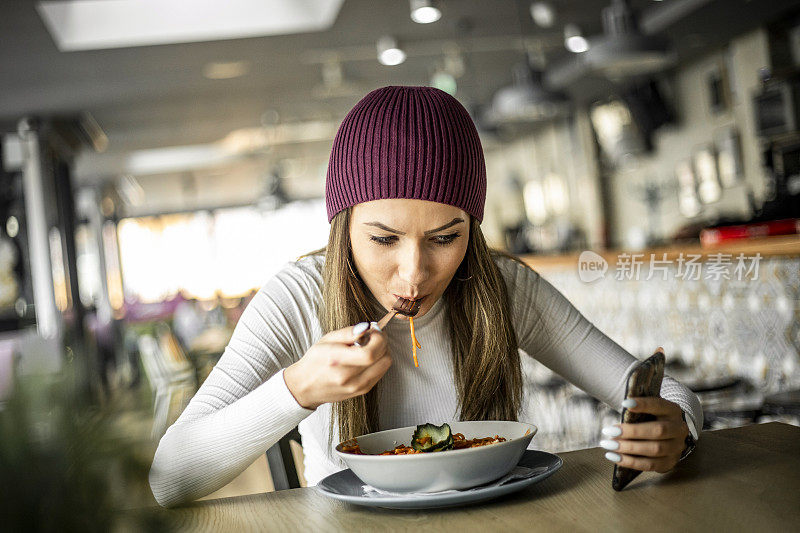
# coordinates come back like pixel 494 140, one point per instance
pixel 405 192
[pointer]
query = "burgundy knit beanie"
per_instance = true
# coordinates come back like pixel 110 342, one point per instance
pixel 407 142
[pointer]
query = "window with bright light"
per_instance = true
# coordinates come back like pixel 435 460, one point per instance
pixel 227 252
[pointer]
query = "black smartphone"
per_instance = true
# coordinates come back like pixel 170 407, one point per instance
pixel 644 380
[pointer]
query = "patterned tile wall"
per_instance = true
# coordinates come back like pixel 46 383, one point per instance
pixel 743 326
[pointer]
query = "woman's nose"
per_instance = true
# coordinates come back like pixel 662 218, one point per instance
pixel 412 266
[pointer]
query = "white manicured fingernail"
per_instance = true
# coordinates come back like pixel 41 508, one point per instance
pixel 613 457
pixel 360 328
pixel 612 431
pixel 375 326
pixel 609 444
pixel 629 404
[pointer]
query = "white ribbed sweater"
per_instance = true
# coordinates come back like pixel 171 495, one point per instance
pixel 244 406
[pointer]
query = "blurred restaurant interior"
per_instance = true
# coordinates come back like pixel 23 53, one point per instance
pixel 160 162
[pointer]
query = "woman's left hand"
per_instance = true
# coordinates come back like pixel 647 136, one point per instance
pixel 655 445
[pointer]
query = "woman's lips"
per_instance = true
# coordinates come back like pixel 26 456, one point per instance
pixel 420 299
pixel 412 298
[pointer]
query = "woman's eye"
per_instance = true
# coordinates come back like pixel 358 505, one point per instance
pixel 446 239
pixel 384 241
pixel 392 239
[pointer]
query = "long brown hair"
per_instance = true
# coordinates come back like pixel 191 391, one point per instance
pixel 488 375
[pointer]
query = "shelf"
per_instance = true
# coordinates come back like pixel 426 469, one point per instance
pixel 782 245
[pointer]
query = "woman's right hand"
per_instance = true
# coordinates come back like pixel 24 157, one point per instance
pixel 336 369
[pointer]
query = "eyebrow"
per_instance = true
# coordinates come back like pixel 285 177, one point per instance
pixel 453 222
pixel 384 227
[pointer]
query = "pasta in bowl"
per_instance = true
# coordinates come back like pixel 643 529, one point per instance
pixel 486 450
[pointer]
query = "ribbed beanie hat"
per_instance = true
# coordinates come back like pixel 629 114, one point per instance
pixel 407 142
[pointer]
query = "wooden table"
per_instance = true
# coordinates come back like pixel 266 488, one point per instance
pixel 737 479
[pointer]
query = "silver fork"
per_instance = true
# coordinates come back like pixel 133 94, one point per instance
pixel 402 306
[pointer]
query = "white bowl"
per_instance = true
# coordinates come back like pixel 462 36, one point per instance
pixel 438 471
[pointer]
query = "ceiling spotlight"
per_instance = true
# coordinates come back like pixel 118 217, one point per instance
pixel 226 70
pixel 389 52
pixel 543 14
pixel 424 11
pixel 574 39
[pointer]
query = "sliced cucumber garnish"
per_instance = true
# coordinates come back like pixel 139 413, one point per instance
pixel 430 438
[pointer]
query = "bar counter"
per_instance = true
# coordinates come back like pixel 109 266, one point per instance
pixel 737 479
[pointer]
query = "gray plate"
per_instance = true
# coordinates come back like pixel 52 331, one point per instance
pixel 346 486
